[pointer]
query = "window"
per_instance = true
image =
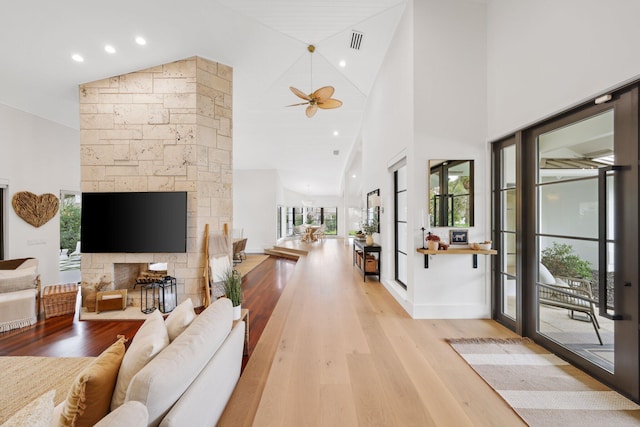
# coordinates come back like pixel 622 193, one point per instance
pixel 400 221
pixel 70 256
pixel 294 216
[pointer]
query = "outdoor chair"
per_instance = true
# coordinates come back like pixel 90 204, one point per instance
pixel 572 294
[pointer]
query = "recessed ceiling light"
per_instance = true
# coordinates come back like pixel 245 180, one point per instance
pixel 141 41
pixel 342 63
pixel 77 57
pixel 336 133
pixel 109 49
pixel 353 176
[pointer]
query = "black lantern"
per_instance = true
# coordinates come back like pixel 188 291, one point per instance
pixel 148 297
pixel 167 294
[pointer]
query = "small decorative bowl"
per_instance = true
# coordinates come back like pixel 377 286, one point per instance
pixel 483 246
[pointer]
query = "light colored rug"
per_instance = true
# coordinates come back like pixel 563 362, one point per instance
pixel 24 378
pixel 129 313
pixel 542 388
pixel 252 261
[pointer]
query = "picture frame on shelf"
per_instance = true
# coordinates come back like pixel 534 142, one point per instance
pixel 459 237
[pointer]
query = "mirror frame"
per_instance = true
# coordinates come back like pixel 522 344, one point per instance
pixel 440 218
pixel 373 212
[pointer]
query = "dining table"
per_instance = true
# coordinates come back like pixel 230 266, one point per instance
pixel 310 233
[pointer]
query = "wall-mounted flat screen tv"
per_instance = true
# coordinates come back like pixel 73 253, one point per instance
pixel 134 222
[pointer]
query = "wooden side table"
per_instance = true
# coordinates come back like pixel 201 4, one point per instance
pixel 244 315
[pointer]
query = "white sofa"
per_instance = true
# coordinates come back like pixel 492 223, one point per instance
pixel 19 293
pixel 190 381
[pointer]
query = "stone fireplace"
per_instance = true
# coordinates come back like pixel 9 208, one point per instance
pixel 166 128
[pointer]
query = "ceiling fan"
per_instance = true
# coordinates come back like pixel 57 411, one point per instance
pixel 320 98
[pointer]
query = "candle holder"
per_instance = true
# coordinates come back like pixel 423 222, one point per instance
pixel 423 237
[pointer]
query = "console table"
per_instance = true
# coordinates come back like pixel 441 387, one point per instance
pixel 371 268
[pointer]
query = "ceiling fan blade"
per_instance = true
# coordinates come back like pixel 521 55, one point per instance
pixel 311 110
pixel 329 103
pixel 323 93
pixel 300 93
pixel 295 105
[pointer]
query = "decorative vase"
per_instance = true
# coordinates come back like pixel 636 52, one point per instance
pixel 237 311
pixel 433 245
pixel 369 240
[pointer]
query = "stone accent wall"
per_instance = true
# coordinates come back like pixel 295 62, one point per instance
pixel 166 128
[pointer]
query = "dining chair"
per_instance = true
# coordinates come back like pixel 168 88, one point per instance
pixel 320 233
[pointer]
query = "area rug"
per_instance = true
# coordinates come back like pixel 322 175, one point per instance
pixel 24 378
pixel 542 388
pixel 250 263
pixel 129 313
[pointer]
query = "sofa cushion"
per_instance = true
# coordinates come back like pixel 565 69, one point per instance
pixel 131 414
pixel 38 413
pixel 219 378
pixel 180 318
pixel 163 380
pixel 150 340
pixel 90 395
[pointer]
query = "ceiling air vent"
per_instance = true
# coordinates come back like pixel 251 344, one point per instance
pixel 336 152
pixel 356 39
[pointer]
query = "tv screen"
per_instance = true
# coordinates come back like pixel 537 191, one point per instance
pixel 134 222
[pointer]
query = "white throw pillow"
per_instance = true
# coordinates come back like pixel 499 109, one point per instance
pixel 151 339
pixel 545 277
pixel 180 318
pixel 38 413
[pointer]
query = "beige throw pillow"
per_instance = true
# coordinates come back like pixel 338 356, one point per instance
pixel 150 339
pixel 38 413
pixel 180 318
pixel 90 395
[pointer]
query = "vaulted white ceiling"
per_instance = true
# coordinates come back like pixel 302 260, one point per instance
pixel 265 41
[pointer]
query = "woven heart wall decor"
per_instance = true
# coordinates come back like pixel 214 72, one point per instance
pixel 34 209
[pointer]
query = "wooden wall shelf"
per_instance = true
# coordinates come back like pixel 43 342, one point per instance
pixel 474 252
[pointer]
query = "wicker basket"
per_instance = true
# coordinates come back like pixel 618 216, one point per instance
pixel 59 299
pixel 371 264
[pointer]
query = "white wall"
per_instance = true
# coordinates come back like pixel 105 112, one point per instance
pixel 255 195
pixel 39 156
pixel 450 123
pixel 429 102
pixel 546 55
pixel 387 136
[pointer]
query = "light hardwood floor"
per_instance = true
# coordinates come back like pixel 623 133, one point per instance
pixel 340 352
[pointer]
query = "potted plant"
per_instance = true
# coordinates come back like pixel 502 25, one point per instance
pixel 433 241
pixel 368 229
pixel 233 290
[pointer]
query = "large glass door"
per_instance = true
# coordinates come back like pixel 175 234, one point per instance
pixel 507 296
pixel 586 215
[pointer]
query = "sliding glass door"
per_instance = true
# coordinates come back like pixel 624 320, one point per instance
pixel 570 161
